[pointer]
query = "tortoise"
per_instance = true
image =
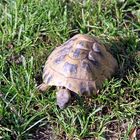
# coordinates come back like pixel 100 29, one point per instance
pixel 80 66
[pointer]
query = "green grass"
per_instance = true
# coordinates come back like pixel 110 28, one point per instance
pixel 29 31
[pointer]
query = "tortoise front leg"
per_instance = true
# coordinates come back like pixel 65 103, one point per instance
pixel 42 87
pixel 63 97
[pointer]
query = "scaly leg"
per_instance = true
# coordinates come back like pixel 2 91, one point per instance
pixel 42 87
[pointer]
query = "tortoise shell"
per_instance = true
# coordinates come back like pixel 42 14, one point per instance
pixel 81 65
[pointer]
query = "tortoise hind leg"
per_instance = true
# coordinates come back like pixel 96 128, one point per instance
pixel 42 87
pixel 63 97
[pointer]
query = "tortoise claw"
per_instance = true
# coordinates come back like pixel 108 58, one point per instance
pixel 42 87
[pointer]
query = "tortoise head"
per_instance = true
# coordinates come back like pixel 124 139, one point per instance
pixel 63 97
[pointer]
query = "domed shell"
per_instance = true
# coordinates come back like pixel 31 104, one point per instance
pixel 81 64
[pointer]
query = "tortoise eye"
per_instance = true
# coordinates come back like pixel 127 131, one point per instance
pixel 95 48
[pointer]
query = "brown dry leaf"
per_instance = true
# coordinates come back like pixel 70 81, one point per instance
pixel 1 94
pixel 10 46
pixel 17 59
pixel 44 38
pixel 132 134
pixel 137 54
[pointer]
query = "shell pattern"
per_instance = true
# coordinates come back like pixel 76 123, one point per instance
pixel 81 65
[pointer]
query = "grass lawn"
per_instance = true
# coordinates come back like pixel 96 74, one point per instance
pixel 29 31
